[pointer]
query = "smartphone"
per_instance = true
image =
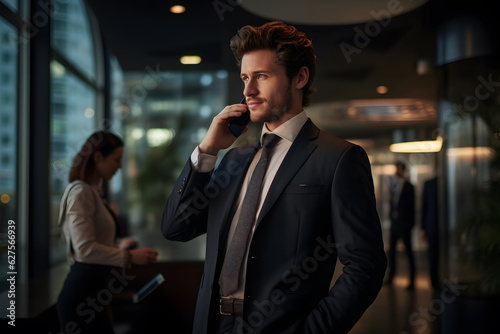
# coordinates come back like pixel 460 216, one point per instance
pixel 148 288
pixel 238 124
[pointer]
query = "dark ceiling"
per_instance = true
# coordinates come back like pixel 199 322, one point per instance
pixel 145 34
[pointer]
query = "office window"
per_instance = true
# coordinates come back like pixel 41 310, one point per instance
pixel 6 99
pixel 8 158
pixel 73 110
pixel 5 140
pixel 117 115
pixel 5 160
pixel 6 57
pixel 5 119
pixel 12 4
pixel 72 37
pixel 5 78
pixel 72 120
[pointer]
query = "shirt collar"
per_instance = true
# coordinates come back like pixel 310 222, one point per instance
pixel 288 130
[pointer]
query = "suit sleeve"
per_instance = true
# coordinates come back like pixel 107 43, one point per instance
pixel 359 243
pixel 184 216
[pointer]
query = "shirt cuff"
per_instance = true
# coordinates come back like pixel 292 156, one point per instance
pixel 202 162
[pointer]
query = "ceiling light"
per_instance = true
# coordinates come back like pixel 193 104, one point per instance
pixel 190 60
pixel 382 89
pixel 422 146
pixel 321 12
pixel 177 9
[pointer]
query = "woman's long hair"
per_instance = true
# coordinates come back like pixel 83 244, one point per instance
pixel 83 163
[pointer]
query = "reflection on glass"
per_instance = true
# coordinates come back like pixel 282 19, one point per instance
pixel 472 166
pixel 72 37
pixel 8 141
pixel 70 125
pixel 115 124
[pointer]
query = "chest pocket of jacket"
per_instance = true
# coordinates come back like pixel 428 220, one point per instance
pixel 303 189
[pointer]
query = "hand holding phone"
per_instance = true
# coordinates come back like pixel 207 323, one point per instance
pixel 238 124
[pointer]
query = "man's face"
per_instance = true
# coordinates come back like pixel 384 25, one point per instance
pixel 267 88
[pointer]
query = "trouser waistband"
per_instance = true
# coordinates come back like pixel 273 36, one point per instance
pixel 231 306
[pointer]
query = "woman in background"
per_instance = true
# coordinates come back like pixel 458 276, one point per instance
pixel 89 228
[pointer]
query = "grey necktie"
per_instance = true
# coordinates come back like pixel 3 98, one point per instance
pixel 230 273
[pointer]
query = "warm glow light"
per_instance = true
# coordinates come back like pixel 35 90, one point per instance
pixel 469 153
pixel 352 111
pixel 384 169
pixel 190 60
pixel 423 146
pixel 5 198
pixel 382 89
pixel 177 9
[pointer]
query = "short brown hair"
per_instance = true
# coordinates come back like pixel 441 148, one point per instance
pixel 83 163
pixel 292 49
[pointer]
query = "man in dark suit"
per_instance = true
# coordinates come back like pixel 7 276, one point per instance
pixel 316 204
pixel 402 199
pixel 430 228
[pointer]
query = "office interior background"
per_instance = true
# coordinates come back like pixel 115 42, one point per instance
pixel 417 81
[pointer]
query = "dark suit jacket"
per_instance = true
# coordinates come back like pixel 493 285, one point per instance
pixel 406 210
pixel 320 206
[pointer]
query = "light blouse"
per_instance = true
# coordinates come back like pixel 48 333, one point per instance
pixel 88 227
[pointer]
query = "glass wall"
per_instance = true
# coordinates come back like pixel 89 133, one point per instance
pixel 8 139
pixel 12 4
pixel 471 119
pixel 73 105
pixel 72 37
pixel 163 116
pixel 74 110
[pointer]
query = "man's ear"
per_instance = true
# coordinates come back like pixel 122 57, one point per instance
pixel 302 77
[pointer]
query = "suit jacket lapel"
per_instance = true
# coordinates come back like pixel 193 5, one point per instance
pixel 299 152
